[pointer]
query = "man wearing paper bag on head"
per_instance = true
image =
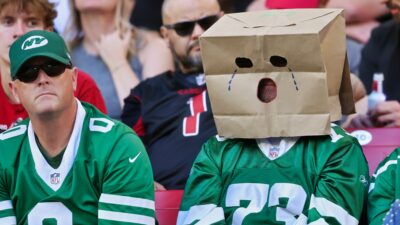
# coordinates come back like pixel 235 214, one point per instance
pixel 276 80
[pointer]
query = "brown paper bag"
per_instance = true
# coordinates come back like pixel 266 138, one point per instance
pixel 302 50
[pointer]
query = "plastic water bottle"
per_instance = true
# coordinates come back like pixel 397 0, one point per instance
pixel 377 94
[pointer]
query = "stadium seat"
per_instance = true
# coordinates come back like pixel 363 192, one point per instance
pixel 377 143
pixel 167 206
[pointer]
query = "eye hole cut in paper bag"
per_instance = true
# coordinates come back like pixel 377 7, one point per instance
pixel 300 52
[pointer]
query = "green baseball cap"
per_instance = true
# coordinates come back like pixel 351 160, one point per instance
pixel 37 43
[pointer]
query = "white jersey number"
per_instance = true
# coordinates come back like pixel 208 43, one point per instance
pixel 13 132
pixel 50 210
pixel 257 194
pixel 100 125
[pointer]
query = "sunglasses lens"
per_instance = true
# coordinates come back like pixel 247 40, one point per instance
pixel 30 73
pixel 184 28
pixel 54 69
pixel 207 22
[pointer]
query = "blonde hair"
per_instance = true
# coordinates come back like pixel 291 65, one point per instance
pixel 74 33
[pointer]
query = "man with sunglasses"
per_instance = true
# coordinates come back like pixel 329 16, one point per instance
pixel 16 18
pixel 68 163
pixel 171 112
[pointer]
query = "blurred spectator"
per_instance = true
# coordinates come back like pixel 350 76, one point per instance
pixel 17 17
pixel 147 13
pixel 361 16
pixel 171 112
pixel 382 54
pixel 104 45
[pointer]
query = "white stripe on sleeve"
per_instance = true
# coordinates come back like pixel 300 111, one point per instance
pixel 126 217
pixel 328 208
pixel 10 220
pixel 5 205
pixel 384 167
pixel 128 201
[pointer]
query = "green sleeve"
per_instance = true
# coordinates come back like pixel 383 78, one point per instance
pixel 341 190
pixel 383 188
pixel 127 187
pixel 7 214
pixel 201 199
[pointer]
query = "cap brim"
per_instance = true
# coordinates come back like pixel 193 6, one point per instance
pixel 42 54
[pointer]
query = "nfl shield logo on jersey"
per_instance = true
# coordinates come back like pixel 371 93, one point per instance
pixel 273 152
pixel 55 178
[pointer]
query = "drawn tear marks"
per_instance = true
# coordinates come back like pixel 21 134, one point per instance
pixel 294 80
pixel 241 62
pixel 277 61
pixel 230 81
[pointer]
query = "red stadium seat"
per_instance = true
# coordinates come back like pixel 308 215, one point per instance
pixel 167 206
pixel 377 143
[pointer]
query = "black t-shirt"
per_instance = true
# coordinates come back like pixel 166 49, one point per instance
pixel 382 54
pixel 172 114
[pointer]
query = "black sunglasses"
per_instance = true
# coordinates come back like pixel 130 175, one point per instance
pixel 186 28
pixel 29 73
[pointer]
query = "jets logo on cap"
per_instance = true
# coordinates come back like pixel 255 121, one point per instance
pixel 34 42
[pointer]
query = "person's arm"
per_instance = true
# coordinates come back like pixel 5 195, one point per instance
pixel 113 49
pixel 386 114
pixel 155 56
pixel 127 191
pixel 383 188
pixel 201 199
pixel 340 194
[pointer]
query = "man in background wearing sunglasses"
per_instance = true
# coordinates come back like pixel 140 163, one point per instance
pixel 16 18
pixel 68 163
pixel 171 112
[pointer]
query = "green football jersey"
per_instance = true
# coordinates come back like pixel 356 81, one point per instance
pixel 318 180
pixel 105 176
pixel 384 189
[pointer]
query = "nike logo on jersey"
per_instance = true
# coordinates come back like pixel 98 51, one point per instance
pixel 132 160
